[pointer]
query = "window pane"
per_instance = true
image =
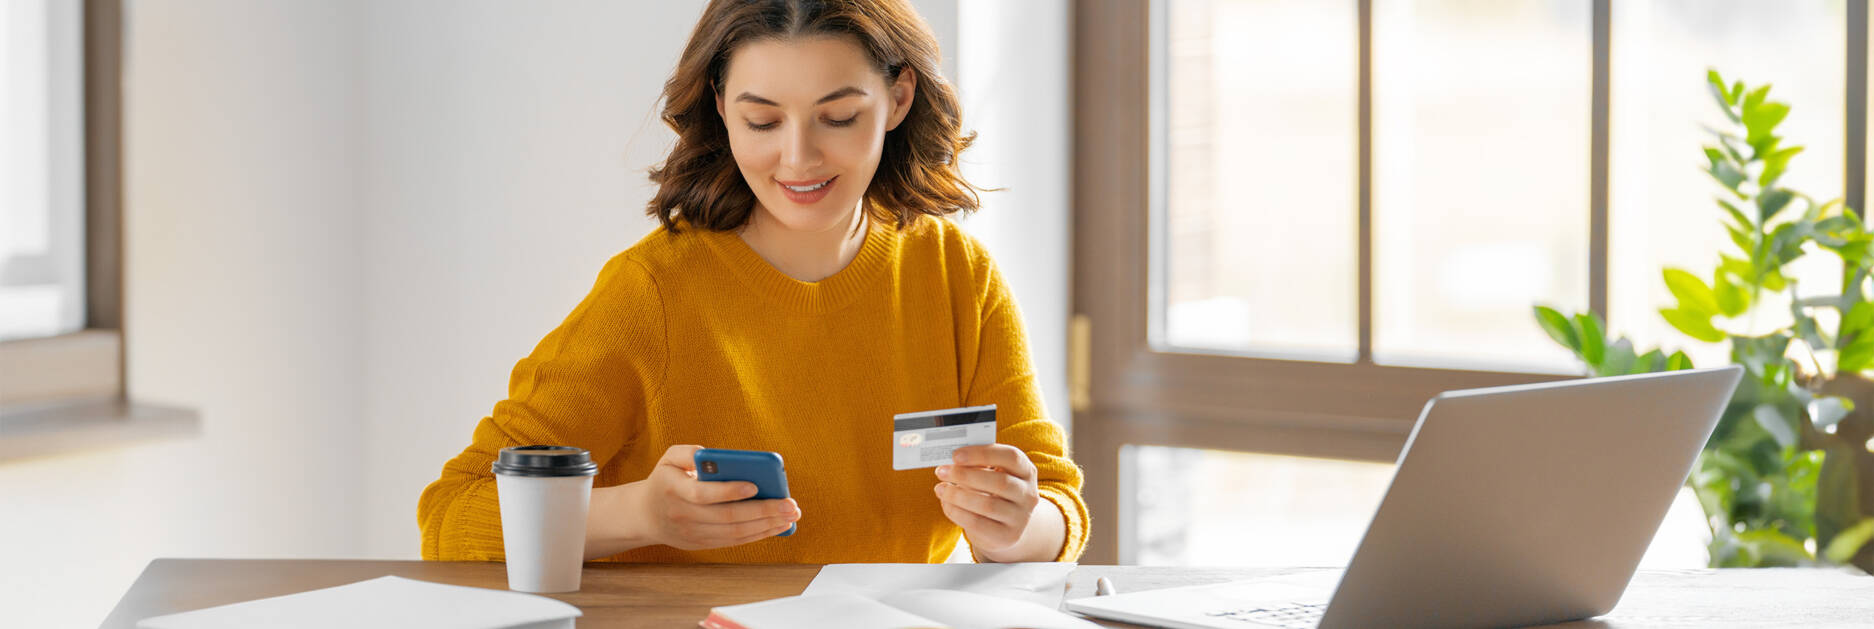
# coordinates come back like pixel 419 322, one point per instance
pixel 1212 507
pixel 41 170
pixel 1480 206
pixel 1216 508
pixel 1661 208
pixel 1258 140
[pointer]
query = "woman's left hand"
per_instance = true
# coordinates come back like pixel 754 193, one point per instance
pixel 991 491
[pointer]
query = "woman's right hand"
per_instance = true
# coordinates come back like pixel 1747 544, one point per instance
pixel 673 508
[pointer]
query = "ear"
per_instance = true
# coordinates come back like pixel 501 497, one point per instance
pixel 901 91
pixel 721 113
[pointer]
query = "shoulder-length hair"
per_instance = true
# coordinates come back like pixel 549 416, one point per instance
pixel 917 172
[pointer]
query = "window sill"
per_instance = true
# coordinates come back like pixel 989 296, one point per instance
pixel 89 426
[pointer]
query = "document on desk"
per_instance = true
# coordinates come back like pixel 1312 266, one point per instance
pixel 1041 583
pixel 382 603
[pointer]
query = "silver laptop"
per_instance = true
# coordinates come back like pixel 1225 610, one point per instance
pixel 1510 506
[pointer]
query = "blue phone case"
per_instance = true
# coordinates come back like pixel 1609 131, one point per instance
pixel 764 469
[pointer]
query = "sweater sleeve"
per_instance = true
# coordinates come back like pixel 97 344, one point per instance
pixel 1004 375
pixel 587 384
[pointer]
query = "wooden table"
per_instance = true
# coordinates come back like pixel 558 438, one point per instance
pixel 661 595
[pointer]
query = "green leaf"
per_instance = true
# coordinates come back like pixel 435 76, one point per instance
pixel 1726 174
pixel 1771 548
pixel 1693 325
pixel 1558 328
pixel 1859 317
pixel 1620 359
pixel 1742 237
pixel 1593 340
pixel 1771 202
pixel 1857 355
pixel 1692 292
pixel 1677 361
pixel 1774 164
pixel 1842 549
pixel 1755 97
pixel 1736 214
pixel 1652 361
pixel 1774 281
pixel 1761 121
pixel 1739 268
pixel 1772 420
pixel 1732 300
pixel 1725 100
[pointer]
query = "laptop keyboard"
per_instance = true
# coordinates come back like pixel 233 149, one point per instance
pixel 1292 616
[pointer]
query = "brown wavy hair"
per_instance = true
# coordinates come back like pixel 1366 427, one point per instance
pixel 917 172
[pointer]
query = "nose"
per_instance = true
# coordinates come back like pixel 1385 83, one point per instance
pixel 800 154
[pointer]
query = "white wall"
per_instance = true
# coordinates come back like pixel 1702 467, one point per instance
pixel 1013 73
pixel 242 126
pixel 507 156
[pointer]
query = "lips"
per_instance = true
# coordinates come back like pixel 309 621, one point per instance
pixel 809 191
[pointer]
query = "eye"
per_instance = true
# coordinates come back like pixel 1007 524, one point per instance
pixel 843 123
pixel 763 126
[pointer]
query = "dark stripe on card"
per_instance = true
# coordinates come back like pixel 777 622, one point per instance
pixel 960 418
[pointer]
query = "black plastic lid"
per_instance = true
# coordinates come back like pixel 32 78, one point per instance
pixel 545 461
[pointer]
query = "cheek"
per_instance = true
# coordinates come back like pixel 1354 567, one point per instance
pixel 856 150
pixel 753 152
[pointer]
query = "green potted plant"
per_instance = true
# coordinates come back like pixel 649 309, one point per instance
pixel 1787 478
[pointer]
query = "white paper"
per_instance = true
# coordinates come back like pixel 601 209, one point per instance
pixel 382 603
pixel 1041 583
pixel 962 610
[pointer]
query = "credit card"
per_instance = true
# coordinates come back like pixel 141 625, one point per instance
pixel 925 439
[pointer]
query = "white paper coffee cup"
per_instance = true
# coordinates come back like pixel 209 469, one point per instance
pixel 544 492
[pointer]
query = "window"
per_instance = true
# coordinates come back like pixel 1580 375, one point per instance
pixel 42 207
pixel 1351 206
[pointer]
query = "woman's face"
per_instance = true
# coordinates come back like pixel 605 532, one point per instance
pixel 807 121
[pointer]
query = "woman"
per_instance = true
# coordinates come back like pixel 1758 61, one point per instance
pixel 804 287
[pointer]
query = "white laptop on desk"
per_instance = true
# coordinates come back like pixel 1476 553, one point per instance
pixel 1510 506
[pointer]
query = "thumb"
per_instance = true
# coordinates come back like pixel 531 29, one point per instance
pixel 681 457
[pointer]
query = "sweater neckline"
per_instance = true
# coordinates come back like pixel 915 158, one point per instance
pixel 831 293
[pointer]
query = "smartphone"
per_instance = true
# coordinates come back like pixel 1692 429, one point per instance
pixel 764 469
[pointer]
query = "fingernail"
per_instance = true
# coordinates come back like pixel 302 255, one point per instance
pixel 943 471
pixel 942 487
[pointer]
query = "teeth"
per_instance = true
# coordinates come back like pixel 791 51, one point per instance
pixel 811 188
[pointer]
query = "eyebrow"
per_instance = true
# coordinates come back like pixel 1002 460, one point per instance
pixel 837 94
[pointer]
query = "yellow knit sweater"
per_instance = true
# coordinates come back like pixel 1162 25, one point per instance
pixel 693 338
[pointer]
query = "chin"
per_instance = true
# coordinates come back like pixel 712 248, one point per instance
pixel 820 217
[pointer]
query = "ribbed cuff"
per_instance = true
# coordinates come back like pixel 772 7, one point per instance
pixel 472 530
pixel 1074 513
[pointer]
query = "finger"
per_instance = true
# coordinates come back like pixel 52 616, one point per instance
pixel 743 511
pixel 979 503
pixel 682 457
pixel 741 532
pixel 706 492
pixel 994 482
pixel 979 528
pixel 765 534
pixel 998 455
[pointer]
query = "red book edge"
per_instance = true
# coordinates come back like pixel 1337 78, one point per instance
pixel 716 621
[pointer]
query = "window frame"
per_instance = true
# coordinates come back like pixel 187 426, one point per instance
pixel 69 392
pixel 87 364
pixel 1126 391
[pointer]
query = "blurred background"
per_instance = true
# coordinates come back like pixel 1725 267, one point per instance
pixel 344 220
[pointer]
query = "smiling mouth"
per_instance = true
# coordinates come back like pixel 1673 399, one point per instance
pixel 809 188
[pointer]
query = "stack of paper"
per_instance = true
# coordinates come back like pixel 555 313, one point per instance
pixel 382 603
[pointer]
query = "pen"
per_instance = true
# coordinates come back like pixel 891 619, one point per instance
pixel 1104 587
